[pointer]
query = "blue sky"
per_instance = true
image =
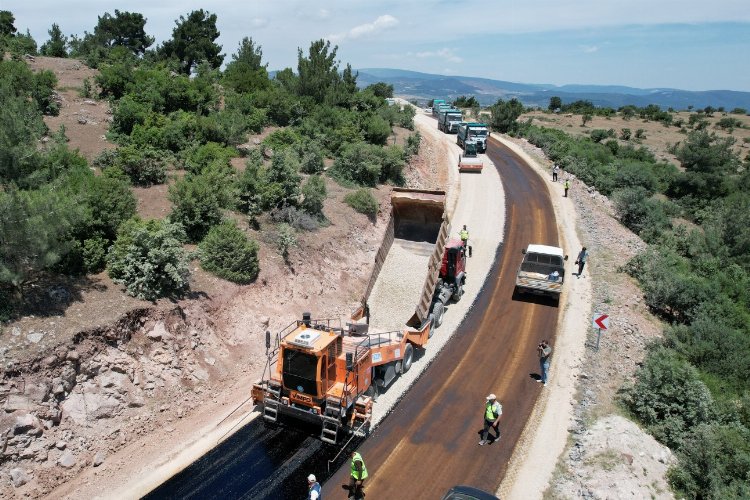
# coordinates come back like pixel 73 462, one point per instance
pixel 685 44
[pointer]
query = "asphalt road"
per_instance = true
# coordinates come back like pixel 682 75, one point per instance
pixel 430 441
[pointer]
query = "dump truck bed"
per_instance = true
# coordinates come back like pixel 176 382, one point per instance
pixel 410 255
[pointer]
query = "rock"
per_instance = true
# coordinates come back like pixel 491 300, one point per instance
pixel 82 120
pixel 67 460
pixel 19 477
pixel 60 445
pixel 158 332
pixel 90 102
pixel 28 424
pixel 265 320
pixel 34 337
pixel 99 458
pixel 17 402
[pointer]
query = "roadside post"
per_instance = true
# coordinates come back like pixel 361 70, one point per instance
pixel 600 322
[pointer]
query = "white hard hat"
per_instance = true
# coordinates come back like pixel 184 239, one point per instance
pixel 311 478
pixel 491 397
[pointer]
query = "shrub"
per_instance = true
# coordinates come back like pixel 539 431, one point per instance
pixel 95 254
pixel 363 202
pixel 149 260
pixel 228 253
pixel 197 202
pixel 285 240
pixel 625 134
pixel 280 181
pixel 412 145
pixel 198 158
pixel 376 130
pixel 296 218
pixel 314 194
pixel 359 163
pixel 713 463
pixel 598 135
pixel 668 397
pixel 144 166
pixel 281 139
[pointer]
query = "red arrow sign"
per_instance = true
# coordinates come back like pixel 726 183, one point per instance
pixel 601 321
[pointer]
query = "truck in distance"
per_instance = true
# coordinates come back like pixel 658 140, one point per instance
pixel 449 120
pixel 542 271
pixel 436 105
pixel 472 131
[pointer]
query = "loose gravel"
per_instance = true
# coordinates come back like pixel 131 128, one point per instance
pixel 399 286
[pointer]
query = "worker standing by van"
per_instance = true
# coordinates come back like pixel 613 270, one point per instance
pixel 358 476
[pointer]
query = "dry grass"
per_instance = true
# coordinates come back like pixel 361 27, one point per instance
pixel 658 138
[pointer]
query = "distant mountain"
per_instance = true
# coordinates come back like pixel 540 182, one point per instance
pixel 426 86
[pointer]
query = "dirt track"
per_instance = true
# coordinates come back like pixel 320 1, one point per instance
pixel 429 443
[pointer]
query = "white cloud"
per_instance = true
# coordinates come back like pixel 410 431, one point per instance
pixel 259 22
pixel 445 54
pixel 589 49
pixel 324 14
pixel 380 24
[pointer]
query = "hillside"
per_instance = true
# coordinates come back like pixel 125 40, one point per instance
pixel 425 86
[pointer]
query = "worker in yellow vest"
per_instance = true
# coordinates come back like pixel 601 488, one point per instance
pixel 464 235
pixel 357 479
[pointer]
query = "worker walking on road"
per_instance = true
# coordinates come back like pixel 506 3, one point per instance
pixel 492 411
pixel 358 476
pixel 555 171
pixel 583 256
pixel 544 350
pixel 566 186
pixel 313 488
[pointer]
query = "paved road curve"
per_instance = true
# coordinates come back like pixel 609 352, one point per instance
pixel 430 442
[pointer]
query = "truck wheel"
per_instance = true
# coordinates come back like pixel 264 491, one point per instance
pixel 437 311
pixel 408 358
pixel 458 293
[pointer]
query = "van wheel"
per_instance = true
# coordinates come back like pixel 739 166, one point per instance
pixel 408 358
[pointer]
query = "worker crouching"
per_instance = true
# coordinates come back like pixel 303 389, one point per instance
pixel 358 476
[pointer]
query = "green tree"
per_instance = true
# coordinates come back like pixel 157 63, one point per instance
pixel 193 41
pixel 504 115
pixel 149 260
pixel 281 181
pixel 7 21
pixel 314 194
pixel 246 73
pixel 55 46
pixel 318 73
pixel 33 225
pixel 124 29
pixel 381 89
pixel 555 103
pixel 228 253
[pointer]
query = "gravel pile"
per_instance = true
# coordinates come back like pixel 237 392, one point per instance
pixel 396 292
